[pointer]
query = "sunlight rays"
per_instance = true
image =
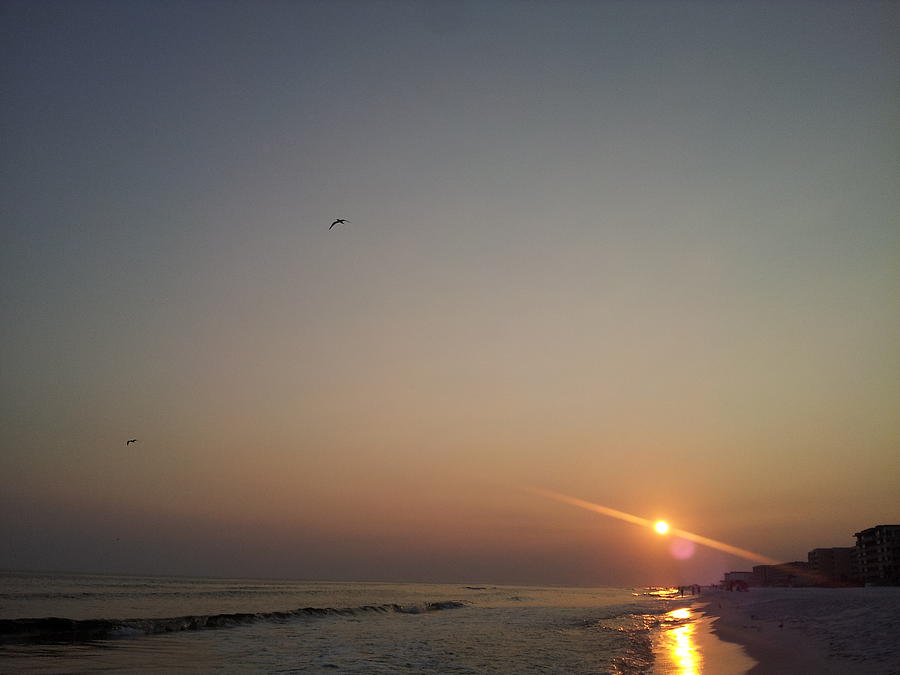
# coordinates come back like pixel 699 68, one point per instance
pixel 651 524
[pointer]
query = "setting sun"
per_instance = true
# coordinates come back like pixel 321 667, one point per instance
pixel 661 526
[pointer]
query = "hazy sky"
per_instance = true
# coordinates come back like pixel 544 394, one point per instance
pixel 644 254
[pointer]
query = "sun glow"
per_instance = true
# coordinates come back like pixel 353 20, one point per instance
pixel 661 526
pixel 645 522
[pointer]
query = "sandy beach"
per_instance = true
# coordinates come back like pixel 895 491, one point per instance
pixel 691 647
pixel 806 630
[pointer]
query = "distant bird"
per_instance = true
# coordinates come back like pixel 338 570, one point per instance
pixel 127 443
pixel 339 221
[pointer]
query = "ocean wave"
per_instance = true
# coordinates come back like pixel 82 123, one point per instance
pixel 79 595
pixel 55 629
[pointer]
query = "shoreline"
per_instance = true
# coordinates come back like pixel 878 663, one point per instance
pixel 691 646
pixel 821 630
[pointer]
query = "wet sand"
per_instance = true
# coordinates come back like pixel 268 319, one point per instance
pixel 809 630
pixel 692 648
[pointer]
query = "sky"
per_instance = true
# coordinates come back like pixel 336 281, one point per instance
pixel 643 254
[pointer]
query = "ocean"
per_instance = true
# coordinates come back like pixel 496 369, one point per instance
pixel 81 623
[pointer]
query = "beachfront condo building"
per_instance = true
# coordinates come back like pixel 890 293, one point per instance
pixel 733 577
pixel 878 555
pixel 833 566
pixel 795 573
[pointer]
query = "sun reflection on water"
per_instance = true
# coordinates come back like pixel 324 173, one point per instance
pixel 680 643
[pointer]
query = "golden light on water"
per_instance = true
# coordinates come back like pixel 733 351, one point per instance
pixel 661 526
pixel 681 645
pixel 637 520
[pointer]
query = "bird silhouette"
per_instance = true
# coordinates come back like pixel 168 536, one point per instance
pixel 133 440
pixel 339 221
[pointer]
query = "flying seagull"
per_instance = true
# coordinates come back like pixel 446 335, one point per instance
pixel 127 443
pixel 339 221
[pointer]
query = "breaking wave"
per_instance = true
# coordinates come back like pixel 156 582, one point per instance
pixel 55 629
